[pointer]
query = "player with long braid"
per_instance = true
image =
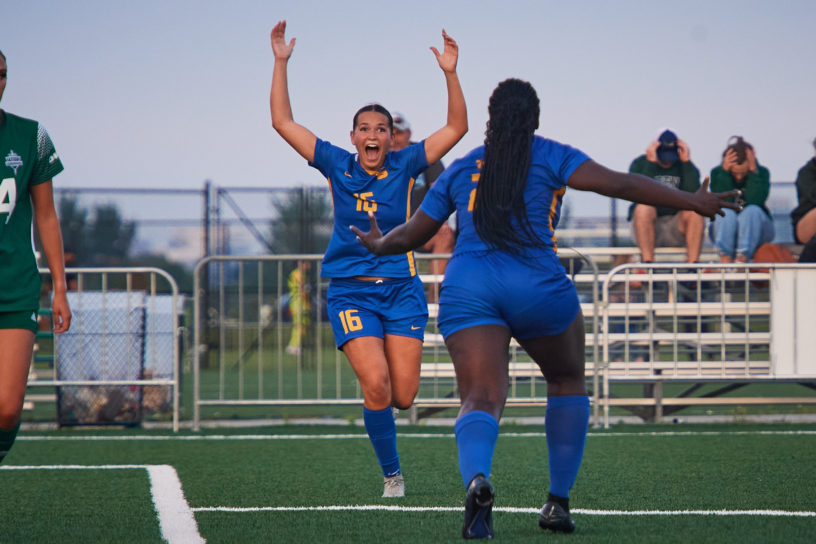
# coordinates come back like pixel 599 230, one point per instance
pixel 504 280
pixel 376 305
pixel 28 162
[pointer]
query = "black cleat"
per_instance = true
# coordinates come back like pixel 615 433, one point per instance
pixel 554 517
pixel 478 509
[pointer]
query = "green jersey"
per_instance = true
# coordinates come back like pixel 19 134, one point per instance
pixel 680 175
pixel 27 158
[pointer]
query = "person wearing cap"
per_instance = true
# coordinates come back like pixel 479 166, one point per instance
pixel 739 233
pixel 444 240
pixel 804 215
pixel 667 161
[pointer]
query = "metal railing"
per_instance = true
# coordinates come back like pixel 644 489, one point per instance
pixel 672 321
pixel 707 322
pixel 121 353
pixel 242 329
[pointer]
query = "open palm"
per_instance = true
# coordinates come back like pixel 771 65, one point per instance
pixel 450 54
pixel 281 49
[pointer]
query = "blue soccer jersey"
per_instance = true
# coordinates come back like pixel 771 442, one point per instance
pixel 355 192
pixel 552 163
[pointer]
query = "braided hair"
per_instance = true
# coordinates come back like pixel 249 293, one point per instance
pixel 513 118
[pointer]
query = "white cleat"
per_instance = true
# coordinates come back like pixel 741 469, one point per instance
pixel 394 486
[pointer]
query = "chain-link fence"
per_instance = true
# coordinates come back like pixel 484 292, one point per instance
pixel 119 361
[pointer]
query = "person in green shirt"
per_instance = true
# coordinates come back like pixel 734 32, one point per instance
pixel 28 162
pixel 804 215
pixel 667 161
pixel 738 234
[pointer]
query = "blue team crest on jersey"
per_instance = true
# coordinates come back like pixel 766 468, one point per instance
pixel 14 161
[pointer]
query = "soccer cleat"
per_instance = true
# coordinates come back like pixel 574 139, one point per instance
pixel 554 517
pixel 394 486
pixel 478 509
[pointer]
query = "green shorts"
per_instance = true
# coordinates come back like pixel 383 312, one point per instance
pixel 19 320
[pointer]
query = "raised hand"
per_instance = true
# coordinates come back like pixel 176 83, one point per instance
pixel 450 54
pixel 711 204
pixel 281 49
pixel 729 160
pixel 651 151
pixel 750 158
pixel 683 151
pixel 369 239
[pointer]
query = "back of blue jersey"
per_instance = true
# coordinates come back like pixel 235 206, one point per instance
pixel 355 192
pixel 552 163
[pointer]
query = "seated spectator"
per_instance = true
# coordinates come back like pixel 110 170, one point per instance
pixel 804 216
pixel 667 161
pixel 738 234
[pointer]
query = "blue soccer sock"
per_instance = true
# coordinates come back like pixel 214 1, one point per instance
pixel 7 437
pixel 566 422
pixel 383 434
pixel 476 434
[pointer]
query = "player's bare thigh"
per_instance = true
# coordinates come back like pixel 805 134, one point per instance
pixel 404 357
pixel 480 357
pixel 561 358
pixel 388 370
pixel 16 348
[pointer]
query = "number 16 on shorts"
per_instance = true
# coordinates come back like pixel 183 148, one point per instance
pixel 350 320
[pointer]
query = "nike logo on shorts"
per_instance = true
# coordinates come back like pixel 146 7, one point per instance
pixel 415 328
pixel 34 317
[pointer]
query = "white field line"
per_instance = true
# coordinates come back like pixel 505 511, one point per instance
pixel 360 436
pixel 512 510
pixel 176 519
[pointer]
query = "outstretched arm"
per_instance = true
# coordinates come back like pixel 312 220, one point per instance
pixel 411 235
pixel 441 141
pixel 591 176
pixel 298 136
pixel 48 227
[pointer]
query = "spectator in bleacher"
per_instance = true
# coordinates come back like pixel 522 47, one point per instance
pixel 667 161
pixel 738 234
pixel 442 241
pixel 804 215
pixel 26 194
pixel 377 306
pixel 504 281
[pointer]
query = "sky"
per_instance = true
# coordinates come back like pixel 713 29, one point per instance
pixel 170 93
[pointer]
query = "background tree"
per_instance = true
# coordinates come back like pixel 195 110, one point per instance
pixel 99 237
pixel 302 221
pixel 73 221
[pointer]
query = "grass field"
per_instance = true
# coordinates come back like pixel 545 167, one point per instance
pixel 672 483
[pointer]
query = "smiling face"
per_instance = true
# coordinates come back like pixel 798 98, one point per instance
pixel 372 139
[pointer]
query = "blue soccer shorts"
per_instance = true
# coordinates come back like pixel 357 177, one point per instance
pixel 375 308
pixel 531 299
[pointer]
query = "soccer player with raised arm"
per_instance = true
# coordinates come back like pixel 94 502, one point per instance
pixel 376 305
pixel 504 280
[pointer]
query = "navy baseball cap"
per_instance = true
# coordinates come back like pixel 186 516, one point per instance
pixel 667 150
